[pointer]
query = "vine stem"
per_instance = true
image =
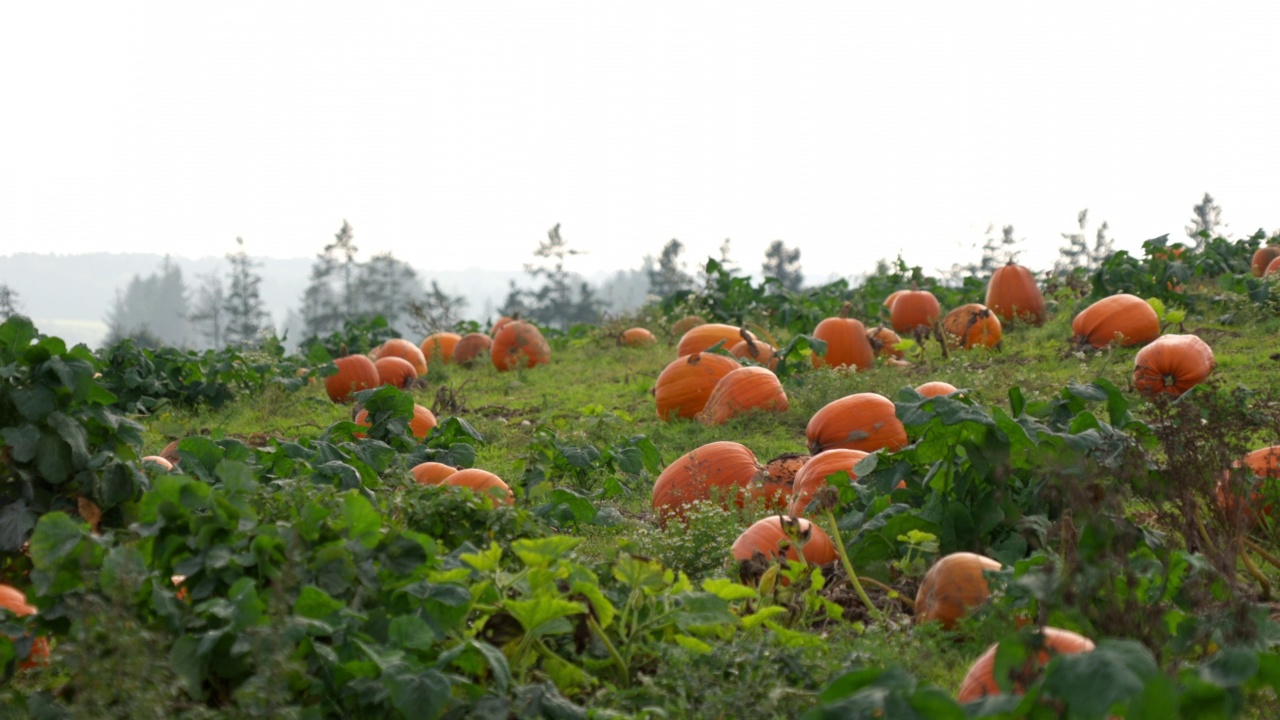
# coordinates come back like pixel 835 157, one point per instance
pixel 900 597
pixel 613 652
pixel 1261 552
pixel 848 567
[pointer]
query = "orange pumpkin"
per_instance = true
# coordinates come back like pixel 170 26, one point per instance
pixel 439 346
pixel 159 462
pixel 884 342
pixel 398 347
pixel 482 482
pixel 742 390
pixel 952 587
pixel 1263 463
pixel 1172 364
pixel 170 453
pixel 970 325
pixel 355 373
pixel 499 324
pixel 470 346
pixel 847 344
pixel 718 471
pixel 432 473
pixel 636 337
pixel 1272 268
pixel 685 324
pixel 774 483
pixel 519 344
pixel 862 421
pixel 813 476
pixel 936 388
pixel 704 337
pixel 1126 319
pixel 1012 293
pixel 980 681
pixel 914 309
pixel 13 600
pixel 395 371
pixel 768 535
pixel 757 351
pixel 891 299
pixel 685 384
pixel 1263 258
pixel 421 423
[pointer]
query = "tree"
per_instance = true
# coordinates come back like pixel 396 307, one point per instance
pixel 388 286
pixel 670 276
pixel 783 263
pixel 1204 226
pixel 555 303
pixel 1077 254
pixel 324 308
pixel 343 249
pixel 8 301
pixel 153 308
pixel 208 314
pixel 436 310
pixel 246 316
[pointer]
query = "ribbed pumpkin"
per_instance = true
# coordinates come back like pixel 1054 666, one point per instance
pixel 499 324
pixel 432 473
pixel 720 470
pixel 757 351
pixel 774 483
pixel 884 341
pixel 519 345
pixel 952 587
pixel 980 681
pixel 813 476
pixel 13 600
pixel 1263 463
pixel 482 482
pixel 395 371
pixel 1172 364
pixel 936 388
pixel 685 324
pixel 847 344
pixel 914 309
pixel 863 421
pixel 703 337
pixel 766 535
pixel 1012 292
pixel 439 346
pixel 972 325
pixel 1272 268
pixel 421 423
pixel 401 348
pixel 743 390
pixel 636 337
pixel 685 384
pixel 1263 257
pixel 470 346
pixel 1123 318
pixel 355 373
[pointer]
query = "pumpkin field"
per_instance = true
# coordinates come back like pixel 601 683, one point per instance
pixel 1018 496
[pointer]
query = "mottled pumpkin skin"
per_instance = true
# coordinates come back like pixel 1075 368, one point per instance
pixel 470 346
pixel 439 346
pixel 972 325
pixel 685 384
pixel 743 390
pixel 813 476
pixel 862 421
pixel 636 337
pixel 847 344
pixel 953 587
pixel 774 484
pixel 765 536
pixel 980 681
pixel 1172 364
pixel 432 473
pixel 398 347
pixel 1013 293
pixel 1263 258
pixel 1126 319
pixel 935 388
pixel 519 345
pixel 914 309
pixel 355 373
pixel 704 337
pixel 395 371
pixel 482 482
pixel 720 470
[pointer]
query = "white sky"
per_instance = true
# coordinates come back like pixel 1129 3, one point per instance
pixel 456 134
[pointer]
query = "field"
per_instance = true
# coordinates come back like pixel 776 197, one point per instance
pixel 291 567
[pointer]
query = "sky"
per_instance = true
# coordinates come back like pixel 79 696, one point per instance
pixel 456 134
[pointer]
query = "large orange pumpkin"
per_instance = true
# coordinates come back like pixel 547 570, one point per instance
pixel 862 421
pixel 704 337
pixel 972 325
pixel 1013 292
pixel 1264 256
pixel 1126 319
pixel 685 384
pixel 813 476
pixel 519 344
pixel 13 600
pixel 355 373
pixel 395 371
pixel 952 587
pixel 914 309
pixel 439 346
pixel 401 348
pixel 432 473
pixel 1172 364
pixel 685 324
pixel 765 536
pixel 481 482
pixel 718 471
pixel 742 390
pixel 847 344
pixel 499 324
pixel 1272 268
pixel 980 681
pixel 884 342
pixel 936 388
pixel 636 337
pixel 470 346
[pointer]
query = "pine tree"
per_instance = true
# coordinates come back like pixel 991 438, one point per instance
pixel 436 310
pixel 1077 254
pixel 389 287
pixel 783 263
pixel 1204 226
pixel 670 276
pixel 245 314
pixel 151 310
pixel 8 301
pixel 324 308
pixel 208 315
pixel 554 303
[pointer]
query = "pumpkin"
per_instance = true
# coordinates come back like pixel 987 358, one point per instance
pixel 718 471
pixel 686 323
pixel 685 384
pixel 847 344
pixel 757 351
pixel 891 298
pixel 13 600
pixel 1012 292
pixel 935 388
pixel 774 483
pixel 862 421
pixel 470 346
pixel 1126 319
pixel 914 309
pixel 395 371
pixel 768 535
pixel 500 323
pixel 170 453
pixel 1263 463
pixel 1263 258
pixel 980 681
pixel 519 345
pixel 355 373
pixel 952 587
pixel 1272 268
pixel 421 423
pixel 432 473
pixel 970 325
pixel 704 337
pixel 157 462
pixel 482 482
pixel 439 346
pixel 813 476
pixel 884 342
pixel 636 337
pixel 398 347
pixel 1172 364
pixel 742 390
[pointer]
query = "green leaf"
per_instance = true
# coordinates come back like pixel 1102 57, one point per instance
pixel 189 665
pixel 16 523
pixel 1230 668
pixel 728 590
pixel 316 604
pixel 35 403
pixel 363 523
pixel 692 643
pixel 533 614
pixel 417 693
pixel 74 435
pixel 56 537
pixel 1093 683
pixel 22 441
pixel 542 552
pixel 699 609
pixel 412 632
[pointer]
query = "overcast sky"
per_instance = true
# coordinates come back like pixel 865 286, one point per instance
pixel 456 136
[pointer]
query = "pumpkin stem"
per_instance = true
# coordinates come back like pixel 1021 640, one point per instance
pixel 845 309
pixel 750 340
pixel 888 589
pixel 942 338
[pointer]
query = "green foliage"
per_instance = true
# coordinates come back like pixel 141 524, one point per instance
pixel 1169 271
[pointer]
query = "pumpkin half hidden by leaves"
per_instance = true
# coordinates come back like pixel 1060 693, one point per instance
pixel 813 476
pixel 482 482
pixel 13 600
pixel 771 535
pixel 355 373
pixel 1172 364
pixel 953 587
pixel 980 681
pixel 935 388
pixel 972 325
pixel 432 473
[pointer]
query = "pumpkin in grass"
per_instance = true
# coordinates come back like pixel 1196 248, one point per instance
pixel 355 373
pixel 884 342
pixel 1172 364
pixel 1263 258
pixel 439 346
pixel 980 681
pixel 13 600
pixel 1123 318
pixel 500 323
pixel 891 298
pixel 470 347
pixel 401 348
pixel 914 309
pixel 636 337
pixel 774 483
pixel 482 482
pixel 519 345
pixel 757 351
pixel 768 535
pixel 432 473
pixel 1263 463
pixel 421 423
pixel 720 471
pixel 862 421
pixel 972 325
pixel 685 384
pixel 935 388
pixel 743 390
pixel 1272 268
pixel 847 343
pixel 685 324
pixel 704 337
pixel 952 587
pixel 813 476
pixel 395 371
pixel 1012 292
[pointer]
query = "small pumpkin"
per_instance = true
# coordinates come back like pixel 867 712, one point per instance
pixel 685 324
pixel 768 535
pixel 980 681
pixel 401 348
pixel 757 351
pixel 636 337
pixel 439 346
pixel 740 391
pixel 847 343
pixel 170 453
pixel 519 345
pixel 884 342
pixel 432 473
pixel 1172 364
pixel 1012 292
pixel 1272 268
pixel 355 373
pixel 718 471
pixel 813 476
pixel 862 421
pixel 470 347
pixel 685 384
pixel 972 325
pixel 914 309
pixel 395 371
pixel 1123 318
pixel 482 482
pixel 13 600
pixel 1263 258
pixel 952 587
pixel 935 388
pixel 704 337
pixel 1263 463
